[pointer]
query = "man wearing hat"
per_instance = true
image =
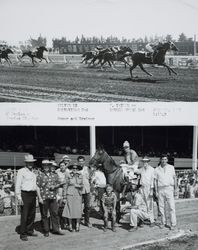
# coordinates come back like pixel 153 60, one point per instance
pixel 48 184
pixel 138 210
pixel 26 191
pixel 130 156
pixel 147 185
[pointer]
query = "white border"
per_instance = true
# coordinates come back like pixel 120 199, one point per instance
pixel 99 114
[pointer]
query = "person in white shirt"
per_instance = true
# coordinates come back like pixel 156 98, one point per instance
pixel 86 190
pixel 26 191
pixel 130 158
pixel 98 180
pixel 147 185
pixel 166 186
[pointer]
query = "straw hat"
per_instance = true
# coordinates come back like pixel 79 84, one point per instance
pixel 29 158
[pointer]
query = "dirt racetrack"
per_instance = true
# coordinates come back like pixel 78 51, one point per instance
pixel 77 82
pixel 95 238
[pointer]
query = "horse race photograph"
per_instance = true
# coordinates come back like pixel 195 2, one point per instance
pixel 62 188
pixel 91 50
pixel 98 125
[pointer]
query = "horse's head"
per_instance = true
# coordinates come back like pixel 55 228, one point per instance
pixel 9 51
pixel 101 157
pixel 172 46
pixel 42 48
pixel 126 49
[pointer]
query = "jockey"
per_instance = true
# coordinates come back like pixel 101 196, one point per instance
pixel 130 158
pixel 153 48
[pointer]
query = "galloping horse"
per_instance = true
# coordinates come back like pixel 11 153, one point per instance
pixel 113 172
pixel 37 54
pixel 4 55
pixel 88 56
pixel 140 58
pixel 119 55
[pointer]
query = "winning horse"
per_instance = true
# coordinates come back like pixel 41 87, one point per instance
pixel 158 57
pixel 4 55
pixel 113 172
pixel 37 54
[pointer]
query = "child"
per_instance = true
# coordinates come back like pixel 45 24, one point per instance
pixel 109 201
pixel 98 180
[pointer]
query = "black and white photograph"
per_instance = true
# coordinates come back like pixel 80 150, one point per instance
pixel 98 187
pixel 98 125
pixel 98 50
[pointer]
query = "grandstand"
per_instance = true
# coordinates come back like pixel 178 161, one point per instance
pixel 44 141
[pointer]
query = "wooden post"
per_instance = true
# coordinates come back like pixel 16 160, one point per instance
pixel 92 132
pixel 195 141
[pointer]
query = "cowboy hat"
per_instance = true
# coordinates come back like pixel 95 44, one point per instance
pixel 145 159
pixel 29 158
pixel 75 166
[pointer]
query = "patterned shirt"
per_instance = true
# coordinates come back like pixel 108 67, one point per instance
pixel 44 182
pixel 109 200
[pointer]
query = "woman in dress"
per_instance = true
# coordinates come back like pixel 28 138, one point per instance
pixel 72 196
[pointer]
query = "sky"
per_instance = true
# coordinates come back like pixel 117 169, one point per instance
pixel 22 19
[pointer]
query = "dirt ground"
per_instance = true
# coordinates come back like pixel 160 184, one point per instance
pixel 77 82
pixel 95 238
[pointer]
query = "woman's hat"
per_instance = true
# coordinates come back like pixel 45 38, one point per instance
pixel 145 159
pixel 29 158
pixel 54 164
pixel 75 166
pixel 46 162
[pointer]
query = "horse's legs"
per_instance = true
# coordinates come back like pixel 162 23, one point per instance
pixel 143 69
pixel 169 69
pixel 132 68
pixel 44 59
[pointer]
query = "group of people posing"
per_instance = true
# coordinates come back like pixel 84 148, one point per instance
pixel 63 189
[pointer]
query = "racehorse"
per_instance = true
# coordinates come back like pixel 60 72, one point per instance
pixel 119 55
pixel 4 55
pixel 37 54
pixel 87 56
pixel 140 58
pixel 113 172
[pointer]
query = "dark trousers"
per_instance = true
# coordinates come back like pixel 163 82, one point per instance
pixel 86 199
pixel 28 212
pixel 51 206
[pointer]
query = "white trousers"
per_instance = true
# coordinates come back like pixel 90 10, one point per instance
pixel 135 214
pixel 145 191
pixel 166 194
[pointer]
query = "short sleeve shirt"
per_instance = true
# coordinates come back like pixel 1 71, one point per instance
pixel 44 182
pixel 165 176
